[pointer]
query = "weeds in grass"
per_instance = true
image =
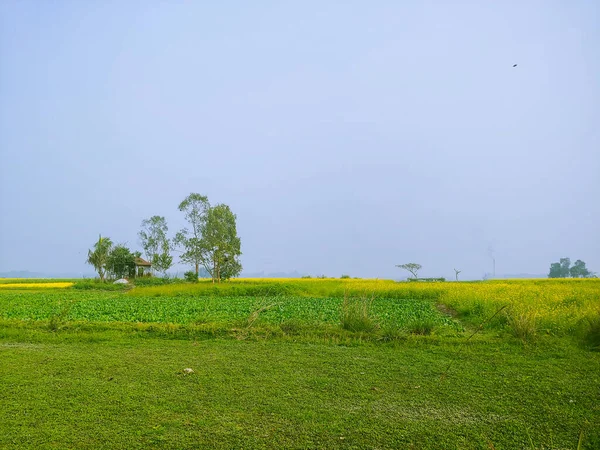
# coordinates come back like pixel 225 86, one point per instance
pixel 253 317
pixel 422 326
pixel 393 334
pixel 355 314
pixel 246 328
pixel 292 326
pixel 58 320
pixel 479 328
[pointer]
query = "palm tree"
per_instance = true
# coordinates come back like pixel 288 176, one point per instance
pixel 99 256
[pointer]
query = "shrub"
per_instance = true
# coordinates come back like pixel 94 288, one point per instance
pixel 156 281
pixel 191 276
pixel 345 277
pixel 99 285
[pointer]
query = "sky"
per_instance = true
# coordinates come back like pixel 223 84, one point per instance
pixel 347 137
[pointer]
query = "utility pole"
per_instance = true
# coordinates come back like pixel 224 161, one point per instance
pixel 457 272
pixel 491 255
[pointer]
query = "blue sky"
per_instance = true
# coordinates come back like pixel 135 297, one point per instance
pixel 347 136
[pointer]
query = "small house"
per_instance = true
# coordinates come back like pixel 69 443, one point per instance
pixel 142 267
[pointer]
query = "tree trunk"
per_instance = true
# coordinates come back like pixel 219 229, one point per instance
pixel 197 270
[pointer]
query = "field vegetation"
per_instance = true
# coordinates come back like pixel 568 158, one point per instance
pixel 297 363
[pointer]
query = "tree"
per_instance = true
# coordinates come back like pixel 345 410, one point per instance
pixel 121 262
pixel 579 270
pixel 155 243
pixel 99 255
pixel 555 271
pixel 220 245
pixel 412 268
pixel 565 267
pixel 194 207
pixel 163 260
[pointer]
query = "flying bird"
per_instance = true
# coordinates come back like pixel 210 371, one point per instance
pixel 514 65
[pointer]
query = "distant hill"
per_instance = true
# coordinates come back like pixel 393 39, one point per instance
pixel 294 274
pixel 28 274
pixel 522 275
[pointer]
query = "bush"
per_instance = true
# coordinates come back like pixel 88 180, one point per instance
pixel 191 276
pixel 155 281
pixel 345 277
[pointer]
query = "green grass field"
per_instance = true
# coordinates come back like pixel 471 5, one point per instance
pixel 283 364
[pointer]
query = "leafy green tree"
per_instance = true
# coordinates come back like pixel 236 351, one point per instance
pixel 155 243
pixel 98 256
pixel 555 271
pixel 121 262
pixel 220 246
pixel 578 270
pixel 565 267
pixel 194 207
pixel 412 268
pixel 163 261
pixel 190 276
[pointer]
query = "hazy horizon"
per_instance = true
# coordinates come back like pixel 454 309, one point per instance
pixel 346 137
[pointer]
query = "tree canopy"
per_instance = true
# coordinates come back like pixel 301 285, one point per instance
pixel 220 244
pixel 563 269
pixel 121 262
pixel 156 244
pixel 209 243
pixel 211 239
pixel 98 256
pixel 413 268
pixel 194 207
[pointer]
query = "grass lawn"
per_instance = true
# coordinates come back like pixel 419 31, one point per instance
pixel 121 384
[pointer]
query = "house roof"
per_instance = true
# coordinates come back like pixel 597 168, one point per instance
pixel 142 262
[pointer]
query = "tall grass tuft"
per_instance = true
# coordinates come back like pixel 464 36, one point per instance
pixel 592 330
pixel 58 320
pixel 522 324
pixel 355 314
pixel 423 326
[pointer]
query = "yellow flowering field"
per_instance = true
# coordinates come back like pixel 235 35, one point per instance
pixel 556 306
pixel 46 285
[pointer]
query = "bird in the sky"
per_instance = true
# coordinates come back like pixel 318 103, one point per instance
pixel 514 65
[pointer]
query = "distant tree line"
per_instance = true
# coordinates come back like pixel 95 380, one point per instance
pixel 564 269
pixel 561 269
pixel 209 244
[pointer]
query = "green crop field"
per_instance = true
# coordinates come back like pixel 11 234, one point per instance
pixel 316 363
